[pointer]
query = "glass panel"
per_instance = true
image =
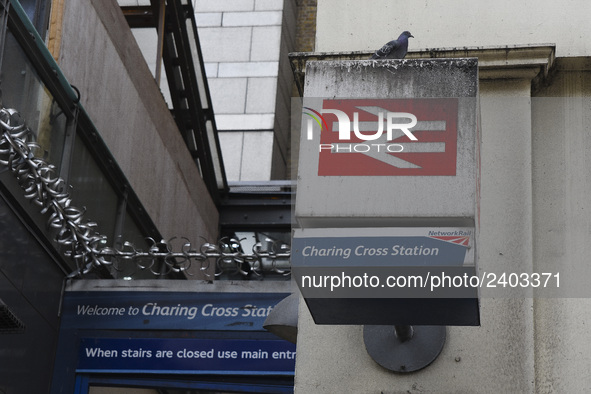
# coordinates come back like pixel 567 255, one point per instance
pixel 38 13
pixel 23 90
pixel 91 188
pixel 215 158
pixel 199 73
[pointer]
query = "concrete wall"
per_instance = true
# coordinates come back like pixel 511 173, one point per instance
pixel 306 25
pixel 100 56
pixel 561 120
pixel 348 25
pixel 534 204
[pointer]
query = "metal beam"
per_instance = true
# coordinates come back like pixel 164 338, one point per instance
pixel 140 17
pixel 258 205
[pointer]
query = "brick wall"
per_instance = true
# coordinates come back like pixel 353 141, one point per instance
pixel 306 26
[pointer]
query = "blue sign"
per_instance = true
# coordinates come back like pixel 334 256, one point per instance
pixel 383 247
pixel 186 356
pixel 168 310
pixel 167 332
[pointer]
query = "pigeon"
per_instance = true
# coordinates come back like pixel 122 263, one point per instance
pixel 395 49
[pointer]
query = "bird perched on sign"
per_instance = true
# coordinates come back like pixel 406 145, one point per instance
pixel 395 49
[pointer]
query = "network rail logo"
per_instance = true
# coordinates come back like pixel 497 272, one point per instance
pixel 364 137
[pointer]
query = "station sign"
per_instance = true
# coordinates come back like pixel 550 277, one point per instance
pixel 162 310
pixel 172 328
pixel 388 276
pixel 388 192
pixel 394 144
pixel 193 356
pixel 414 246
pixel 433 262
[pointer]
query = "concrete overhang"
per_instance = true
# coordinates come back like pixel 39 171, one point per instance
pixel 497 62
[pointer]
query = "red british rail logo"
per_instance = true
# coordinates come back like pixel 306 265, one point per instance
pixel 386 137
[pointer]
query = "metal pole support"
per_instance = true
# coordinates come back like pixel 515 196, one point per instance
pixel 404 348
pixel 403 333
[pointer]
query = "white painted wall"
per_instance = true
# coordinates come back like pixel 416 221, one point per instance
pixel 347 25
pixel 561 120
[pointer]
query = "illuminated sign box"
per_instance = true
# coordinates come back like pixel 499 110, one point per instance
pixel 393 143
pixel 388 192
